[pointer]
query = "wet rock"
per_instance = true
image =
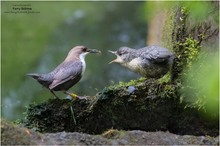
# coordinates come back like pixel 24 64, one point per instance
pixel 18 135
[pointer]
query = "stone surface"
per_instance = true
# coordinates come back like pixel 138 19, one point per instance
pixel 17 135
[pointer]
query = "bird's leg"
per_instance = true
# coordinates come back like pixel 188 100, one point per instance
pixel 74 96
pixel 54 94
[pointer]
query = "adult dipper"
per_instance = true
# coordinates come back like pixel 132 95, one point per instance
pixel 67 74
pixel 151 61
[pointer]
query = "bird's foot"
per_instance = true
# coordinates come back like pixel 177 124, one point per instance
pixel 74 96
pixel 82 97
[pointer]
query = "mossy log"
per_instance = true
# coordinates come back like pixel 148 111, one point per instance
pixel 149 105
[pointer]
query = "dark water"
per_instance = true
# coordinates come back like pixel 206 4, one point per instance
pixel 100 25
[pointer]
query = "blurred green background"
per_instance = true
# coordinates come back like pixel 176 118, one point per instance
pixel 38 42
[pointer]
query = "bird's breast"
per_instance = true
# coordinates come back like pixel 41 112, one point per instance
pixel 135 64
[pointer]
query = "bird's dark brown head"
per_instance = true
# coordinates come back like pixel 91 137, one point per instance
pixel 78 51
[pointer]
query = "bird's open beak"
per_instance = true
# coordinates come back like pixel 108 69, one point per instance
pixel 117 59
pixel 113 52
pixel 93 51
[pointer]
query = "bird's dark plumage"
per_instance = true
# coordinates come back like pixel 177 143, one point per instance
pixel 65 77
pixel 68 73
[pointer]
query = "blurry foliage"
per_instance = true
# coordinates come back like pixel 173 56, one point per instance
pixel 201 84
pixel 188 30
pixel 153 7
pixel 199 87
pixel 199 10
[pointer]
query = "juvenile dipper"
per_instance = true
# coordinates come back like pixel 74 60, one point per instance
pixel 151 61
pixel 67 74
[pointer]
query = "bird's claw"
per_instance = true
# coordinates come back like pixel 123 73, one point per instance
pixel 82 97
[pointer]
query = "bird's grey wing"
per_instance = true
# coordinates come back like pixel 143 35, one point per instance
pixel 156 53
pixel 65 72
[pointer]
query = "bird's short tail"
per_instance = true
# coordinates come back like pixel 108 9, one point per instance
pixel 34 75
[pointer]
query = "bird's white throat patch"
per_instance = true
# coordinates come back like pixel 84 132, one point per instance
pixel 82 58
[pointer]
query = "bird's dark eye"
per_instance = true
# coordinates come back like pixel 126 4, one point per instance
pixel 119 53
pixel 84 49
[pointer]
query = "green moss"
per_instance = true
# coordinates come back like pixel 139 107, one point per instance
pixel 186 54
pixel 127 84
pixel 168 91
pixel 48 116
pixel 185 45
pixel 152 105
pixel 174 37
